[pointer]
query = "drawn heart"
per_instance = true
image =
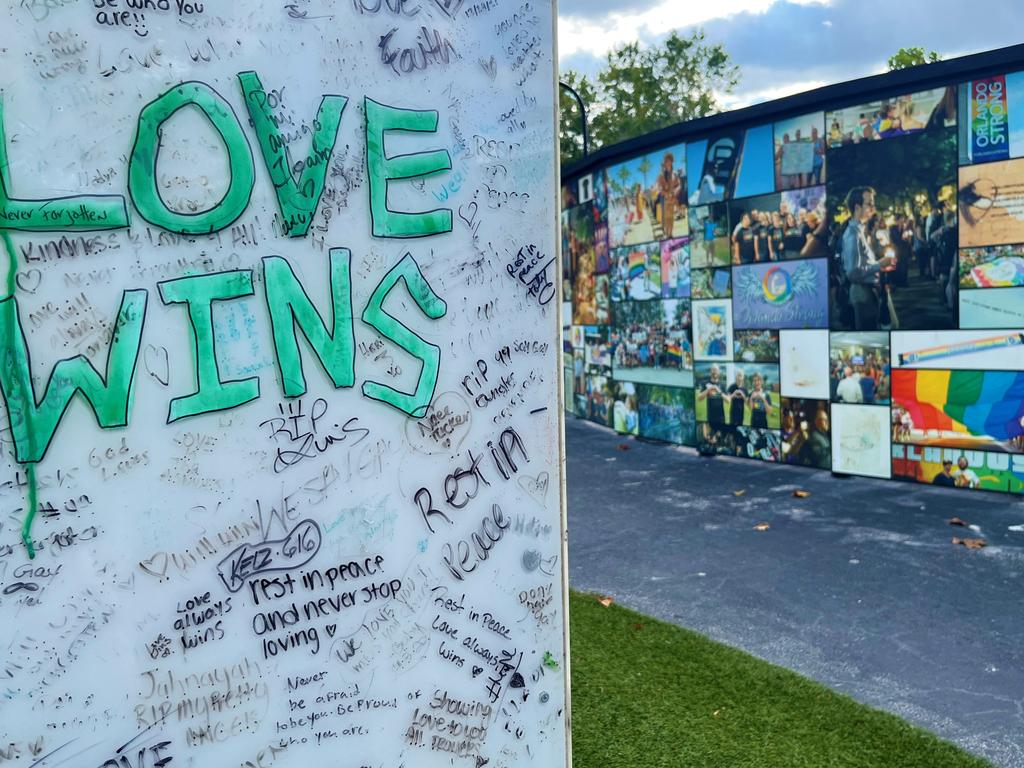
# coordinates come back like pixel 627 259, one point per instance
pixel 150 566
pixel 157 364
pixel 29 280
pixel 490 67
pixel 537 486
pixel 451 7
pixel 548 566
pixel 442 429
pixel 477 671
pixel 331 629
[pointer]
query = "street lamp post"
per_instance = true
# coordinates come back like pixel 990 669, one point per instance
pixel 583 116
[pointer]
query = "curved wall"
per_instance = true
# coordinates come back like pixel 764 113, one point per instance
pixel 723 297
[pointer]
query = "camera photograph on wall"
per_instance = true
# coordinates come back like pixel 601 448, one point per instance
pixel 893 224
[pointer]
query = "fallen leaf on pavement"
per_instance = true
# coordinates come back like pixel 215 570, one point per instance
pixel 738 493
pixel 605 601
pixel 762 527
pixel 623 447
pixel 971 543
pixel 956 521
pixel 801 494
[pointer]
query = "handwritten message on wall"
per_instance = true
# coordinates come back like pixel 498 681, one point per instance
pixel 280 433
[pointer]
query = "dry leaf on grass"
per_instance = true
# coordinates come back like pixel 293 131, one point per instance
pixel 638 626
pixel 970 543
pixel 605 601
pixel 956 521
pixel 738 493
pixel 623 447
pixel 801 494
pixel 762 527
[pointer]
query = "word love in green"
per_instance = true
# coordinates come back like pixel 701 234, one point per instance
pixel 297 185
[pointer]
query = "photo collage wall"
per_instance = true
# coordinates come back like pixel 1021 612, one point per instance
pixel 841 290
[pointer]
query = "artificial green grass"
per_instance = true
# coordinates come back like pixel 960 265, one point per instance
pixel 647 694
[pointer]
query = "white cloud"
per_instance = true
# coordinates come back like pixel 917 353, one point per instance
pixel 597 36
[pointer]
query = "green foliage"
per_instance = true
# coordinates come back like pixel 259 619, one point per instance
pixel 650 694
pixel 642 89
pixel 914 56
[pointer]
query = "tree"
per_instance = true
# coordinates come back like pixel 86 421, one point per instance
pixel 914 56
pixel 641 89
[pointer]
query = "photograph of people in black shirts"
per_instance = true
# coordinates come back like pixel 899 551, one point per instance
pixel 760 403
pixel 713 394
pixel 762 238
pixel 737 399
pixel 743 248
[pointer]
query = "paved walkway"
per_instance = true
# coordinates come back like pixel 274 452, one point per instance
pixel 857 586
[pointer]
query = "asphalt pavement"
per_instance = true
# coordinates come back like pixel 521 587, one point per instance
pixel 857 585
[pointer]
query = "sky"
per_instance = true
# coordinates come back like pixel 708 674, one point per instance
pixel 788 46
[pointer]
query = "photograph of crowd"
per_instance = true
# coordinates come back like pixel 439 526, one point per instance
pixel 667 414
pixel 806 435
pixel 859 369
pixel 992 267
pixel 992 127
pixel 738 394
pixel 756 346
pixel 745 442
pixel 675 268
pixel 956 468
pixel 894 233
pixel 651 342
pixel 709 236
pixel 784 225
pixel 897 116
pixel 800 151
pixel 736 163
pixel 711 283
pixel 647 198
